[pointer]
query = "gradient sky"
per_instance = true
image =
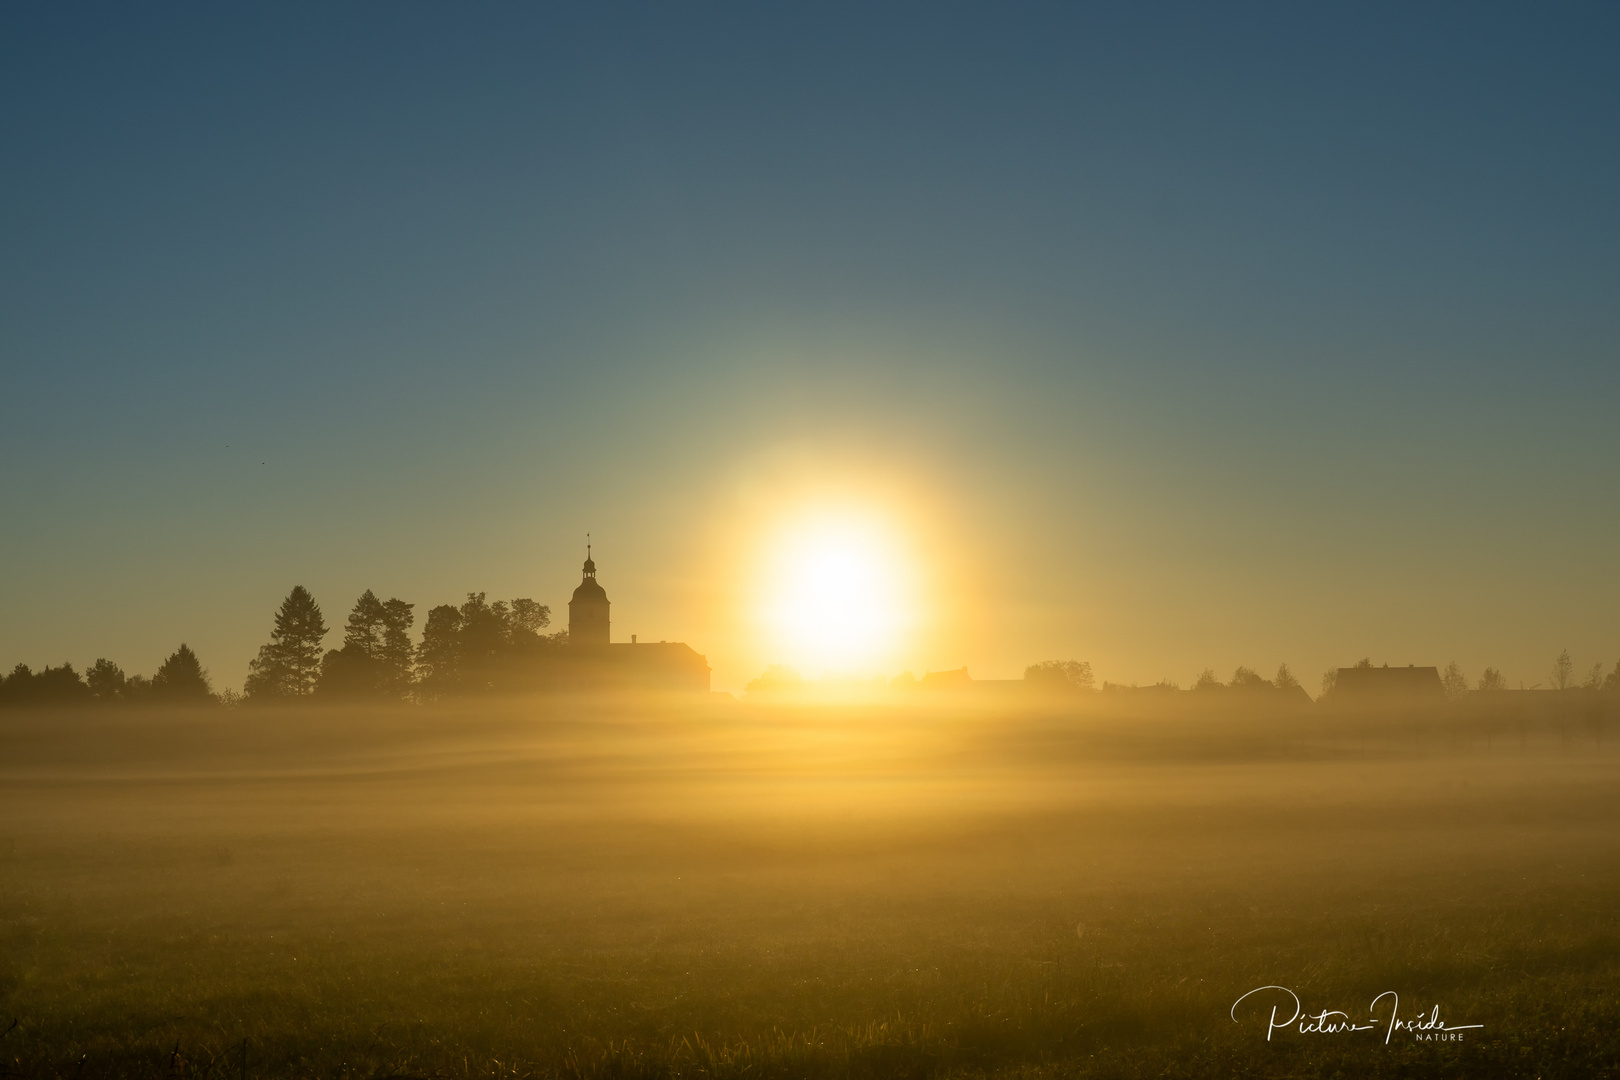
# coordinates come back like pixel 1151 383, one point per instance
pixel 1170 337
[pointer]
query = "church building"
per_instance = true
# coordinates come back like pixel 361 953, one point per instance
pixel 588 611
pixel 599 663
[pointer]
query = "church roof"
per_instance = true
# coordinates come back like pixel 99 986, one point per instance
pixel 589 592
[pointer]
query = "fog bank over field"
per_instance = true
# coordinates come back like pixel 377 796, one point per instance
pixel 703 887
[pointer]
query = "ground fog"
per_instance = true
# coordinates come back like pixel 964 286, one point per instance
pixel 713 888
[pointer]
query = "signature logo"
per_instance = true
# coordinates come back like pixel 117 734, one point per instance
pixel 1426 1027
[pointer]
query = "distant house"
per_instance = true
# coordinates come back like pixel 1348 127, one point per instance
pixel 954 679
pixel 1387 683
pixel 596 662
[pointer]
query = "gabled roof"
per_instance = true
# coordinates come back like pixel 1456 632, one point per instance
pixel 1409 681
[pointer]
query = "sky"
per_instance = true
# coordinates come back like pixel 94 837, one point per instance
pixel 1163 337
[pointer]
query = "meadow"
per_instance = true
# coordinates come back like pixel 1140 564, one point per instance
pixel 667 888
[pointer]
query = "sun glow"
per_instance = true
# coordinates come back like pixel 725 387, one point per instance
pixel 839 593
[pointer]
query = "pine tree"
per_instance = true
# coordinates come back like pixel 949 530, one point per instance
pixel 289 664
pixel 375 660
pixel 181 678
pixel 352 671
pixel 397 652
pixel 365 630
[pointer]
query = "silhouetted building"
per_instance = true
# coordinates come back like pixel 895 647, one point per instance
pixel 596 663
pixel 1389 683
pixel 588 610
pixel 954 679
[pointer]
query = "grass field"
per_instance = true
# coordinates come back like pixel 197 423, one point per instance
pixel 723 889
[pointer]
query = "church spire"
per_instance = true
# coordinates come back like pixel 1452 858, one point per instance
pixel 588 610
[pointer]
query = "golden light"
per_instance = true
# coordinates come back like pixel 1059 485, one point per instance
pixel 838 592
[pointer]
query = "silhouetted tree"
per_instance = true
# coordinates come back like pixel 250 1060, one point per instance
pixel 397 652
pixel 105 680
pixel 1285 679
pixel 375 660
pixel 1613 681
pixel 1249 679
pixel 1453 681
pixel 288 666
pixel 1491 680
pixel 1061 675
pixel 529 617
pixel 483 641
pixel 181 679
pixel 365 629
pixel 1561 671
pixel 1330 681
pixel 49 686
pixel 60 685
pixel 1594 678
pixel 1208 681
pixel 498 641
pixel 12 686
pixel 778 678
pixel 483 647
pixel 438 669
pixel 348 673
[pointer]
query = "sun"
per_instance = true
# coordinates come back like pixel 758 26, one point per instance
pixel 837 593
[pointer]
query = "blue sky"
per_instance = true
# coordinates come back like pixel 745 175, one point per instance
pixel 1259 333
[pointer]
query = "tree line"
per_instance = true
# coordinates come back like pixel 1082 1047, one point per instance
pixel 180 680
pixel 475 647
pixel 1562 675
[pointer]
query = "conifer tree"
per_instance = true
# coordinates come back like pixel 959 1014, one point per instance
pixel 181 678
pixel 375 660
pixel 365 630
pixel 397 653
pixel 288 665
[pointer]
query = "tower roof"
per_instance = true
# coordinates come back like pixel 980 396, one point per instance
pixel 589 591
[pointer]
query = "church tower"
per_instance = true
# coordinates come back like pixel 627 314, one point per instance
pixel 588 610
